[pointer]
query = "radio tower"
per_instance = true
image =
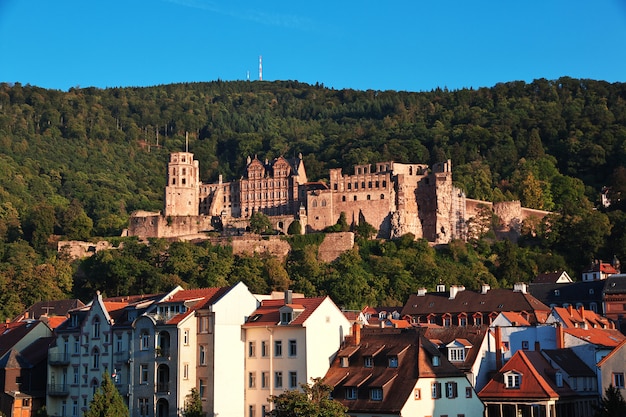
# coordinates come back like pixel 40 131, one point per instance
pixel 260 68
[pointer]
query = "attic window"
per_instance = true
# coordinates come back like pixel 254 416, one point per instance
pixel 559 379
pixel 285 317
pixel 456 354
pixel 512 380
pixel 376 394
pixel 557 293
pixel 435 360
pixel 368 362
pixel 393 361
pixel 351 393
pixel 591 291
pixel 344 361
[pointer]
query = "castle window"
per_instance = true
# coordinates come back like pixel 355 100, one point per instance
pixel 314 203
pixel 356 185
pixel 382 196
pixel 354 198
pixel 183 181
pixel 369 184
pixel 384 184
pixel 349 186
pixel 335 187
pixel 368 197
pixel 362 184
pixel 173 181
pixel 377 184
pixel 323 203
pixel 343 198
pixel 184 171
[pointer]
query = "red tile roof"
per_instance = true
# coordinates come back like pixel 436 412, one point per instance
pixel 268 313
pixel 537 380
pixel 609 338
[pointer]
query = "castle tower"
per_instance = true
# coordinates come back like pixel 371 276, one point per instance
pixel 181 191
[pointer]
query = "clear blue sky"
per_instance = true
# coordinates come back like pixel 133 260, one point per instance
pixel 412 45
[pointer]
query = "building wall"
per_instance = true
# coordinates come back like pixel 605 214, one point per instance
pixel 427 406
pixel 615 363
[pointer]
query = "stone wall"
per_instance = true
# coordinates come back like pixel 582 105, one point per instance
pixel 334 244
pixel 75 249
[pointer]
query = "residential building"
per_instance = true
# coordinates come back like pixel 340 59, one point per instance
pixel 398 372
pixel 586 294
pixel 612 369
pixel 528 385
pixel 458 307
pixel 571 318
pixel 23 348
pixel 289 340
pixel 599 270
pixel 614 298
pixel 556 277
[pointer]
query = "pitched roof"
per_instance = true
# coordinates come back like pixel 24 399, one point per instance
pixel 203 297
pixel 268 312
pixel 537 380
pixel 495 300
pixel 615 284
pixel 414 354
pixel 572 317
pixel 442 336
pixel 567 360
pixel 551 277
pixel 12 333
pixel 570 293
pixel 52 308
pixel 613 352
pixel 515 317
pixel 608 338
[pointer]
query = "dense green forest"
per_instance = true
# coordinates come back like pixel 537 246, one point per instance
pixel 74 164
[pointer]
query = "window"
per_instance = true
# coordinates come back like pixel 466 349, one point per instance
pixel 369 362
pixel 462 321
pixel 278 348
pixel 145 341
pixel 76 345
pixel 393 361
pixel 376 394
pixel 265 380
pixel 278 379
pixel 456 354
pixel 435 390
pixel 252 380
pixel 118 343
pixel 143 373
pixel 435 360
pixel 351 393
pixel 76 376
pixel 525 344
pixel 417 394
pixel 264 349
pixel 344 360
pixel 285 317
pixel 512 380
pixel 293 347
pixel 251 410
pixel 451 390
pixel 96 359
pixel 293 379
pixel 618 380
pixel 202 388
pixel 186 371
pixel 202 355
pixel 251 349
pixel 143 407
pixel 186 337
pixel 559 379
pixel 96 327
pixel 75 408
pixel 468 392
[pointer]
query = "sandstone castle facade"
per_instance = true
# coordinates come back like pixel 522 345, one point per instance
pixel 394 198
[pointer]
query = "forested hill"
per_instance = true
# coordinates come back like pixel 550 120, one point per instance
pixel 76 163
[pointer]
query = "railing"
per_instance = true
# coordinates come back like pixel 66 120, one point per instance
pixel 163 353
pixel 56 359
pixel 163 387
pixel 58 390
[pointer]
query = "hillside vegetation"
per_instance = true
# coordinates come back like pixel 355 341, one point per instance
pixel 74 164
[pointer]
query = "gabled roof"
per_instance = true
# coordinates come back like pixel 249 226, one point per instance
pixel 268 313
pixel 571 318
pixel 195 299
pixel 52 308
pixel 570 293
pixel 613 352
pixel 515 318
pixel 473 336
pixel 414 355
pixel 567 360
pixel 12 333
pixel 537 380
pixel 552 277
pixel 615 284
pixel 495 300
pixel 608 338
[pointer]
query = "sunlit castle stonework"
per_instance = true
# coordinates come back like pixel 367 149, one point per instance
pixel 395 198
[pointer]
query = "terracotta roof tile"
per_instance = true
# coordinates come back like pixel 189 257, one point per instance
pixel 268 312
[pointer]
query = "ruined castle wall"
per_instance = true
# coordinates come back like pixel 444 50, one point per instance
pixel 334 244
pixel 320 213
pixel 251 244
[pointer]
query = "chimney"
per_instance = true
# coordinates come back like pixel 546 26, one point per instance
pixel 570 310
pixel 441 287
pixel 581 311
pixel 454 290
pixel 520 287
pixel 484 288
pixel 356 333
pixel 288 297
pixel 560 337
pixel 498 347
pixel 421 292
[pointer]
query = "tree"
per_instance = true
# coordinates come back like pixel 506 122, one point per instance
pixel 107 401
pixel 313 401
pixel 295 228
pixel 259 223
pixel 193 405
pixel 612 404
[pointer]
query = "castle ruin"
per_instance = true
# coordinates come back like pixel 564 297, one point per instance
pixel 394 198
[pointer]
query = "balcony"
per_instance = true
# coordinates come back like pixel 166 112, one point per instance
pixel 162 353
pixel 58 390
pixel 163 388
pixel 59 359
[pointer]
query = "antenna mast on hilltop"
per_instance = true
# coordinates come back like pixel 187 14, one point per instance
pixel 260 68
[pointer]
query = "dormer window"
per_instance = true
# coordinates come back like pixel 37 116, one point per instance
pixel 74 320
pixel 456 354
pixel 344 361
pixel 376 394
pixel 351 393
pixel 393 361
pixel 368 362
pixel 435 360
pixel 286 317
pixel 512 380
